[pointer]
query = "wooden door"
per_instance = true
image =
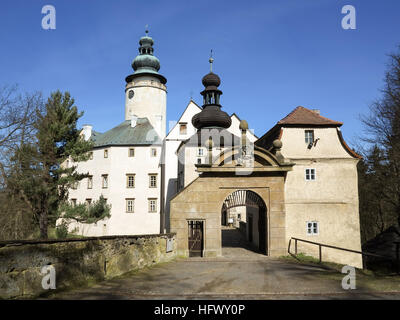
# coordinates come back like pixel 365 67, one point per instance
pixel 195 238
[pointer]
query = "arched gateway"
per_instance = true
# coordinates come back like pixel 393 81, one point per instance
pixel 196 211
pixel 253 218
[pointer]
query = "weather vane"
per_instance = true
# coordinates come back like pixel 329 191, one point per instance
pixel 211 60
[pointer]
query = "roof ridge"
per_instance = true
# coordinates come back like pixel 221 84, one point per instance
pixel 308 117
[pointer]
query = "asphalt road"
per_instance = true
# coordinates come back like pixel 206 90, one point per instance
pixel 240 274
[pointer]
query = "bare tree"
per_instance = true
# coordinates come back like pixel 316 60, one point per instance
pixel 18 113
pixel 382 128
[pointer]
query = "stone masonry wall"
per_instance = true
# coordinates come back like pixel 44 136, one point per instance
pixel 77 262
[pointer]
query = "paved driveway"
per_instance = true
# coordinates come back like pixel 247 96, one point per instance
pixel 240 274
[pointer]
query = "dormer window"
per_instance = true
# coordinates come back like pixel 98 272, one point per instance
pixel 309 136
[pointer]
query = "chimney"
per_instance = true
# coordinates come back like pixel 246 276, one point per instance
pixel 316 111
pixel 133 120
pixel 87 131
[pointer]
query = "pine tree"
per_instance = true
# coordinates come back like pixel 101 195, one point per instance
pixel 39 173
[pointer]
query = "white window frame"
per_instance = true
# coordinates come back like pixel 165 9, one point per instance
pixel 128 175
pixel 150 180
pixel 200 152
pixel 129 152
pixel 150 205
pixel 306 136
pixel 104 181
pixel 310 174
pixel 105 153
pixel 90 182
pixel 132 206
pixel 314 224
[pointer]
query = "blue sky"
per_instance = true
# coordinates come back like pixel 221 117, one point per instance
pixel 271 55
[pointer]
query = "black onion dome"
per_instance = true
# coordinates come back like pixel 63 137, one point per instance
pixel 211 80
pixel 211 116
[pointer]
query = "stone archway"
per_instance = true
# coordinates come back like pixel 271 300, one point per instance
pixel 203 198
pixel 255 210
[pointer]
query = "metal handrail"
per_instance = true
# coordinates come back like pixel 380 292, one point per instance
pixel 320 245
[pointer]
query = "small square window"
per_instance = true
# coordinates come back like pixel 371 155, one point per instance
pixel 309 136
pixel 152 180
pixel 200 152
pixel 106 153
pixel 312 228
pixel 183 128
pixel 88 201
pixel 130 180
pixel 310 174
pixel 130 205
pixel 153 152
pixel 90 182
pixel 131 152
pixel 104 181
pixel 152 205
pixel 198 160
pixel 75 185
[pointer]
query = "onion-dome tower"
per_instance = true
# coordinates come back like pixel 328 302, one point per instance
pixel 211 116
pixel 145 90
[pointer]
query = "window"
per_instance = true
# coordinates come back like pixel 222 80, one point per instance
pixel 153 152
pixel 198 160
pixel 88 201
pixel 75 185
pixel 310 174
pixel 131 152
pixel 130 180
pixel 309 136
pixel 90 182
pixel 91 155
pixel 104 181
pixel 130 205
pixel 200 152
pixel 182 128
pixel 106 153
pixel 73 202
pixel 312 228
pixel 152 205
pixel 153 180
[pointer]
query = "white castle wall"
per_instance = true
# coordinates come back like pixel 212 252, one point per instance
pixel 117 165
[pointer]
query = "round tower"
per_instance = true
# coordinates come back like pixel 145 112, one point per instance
pixel 145 90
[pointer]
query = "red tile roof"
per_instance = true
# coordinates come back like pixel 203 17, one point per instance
pixel 304 116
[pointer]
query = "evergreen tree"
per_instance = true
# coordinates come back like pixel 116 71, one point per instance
pixel 40 174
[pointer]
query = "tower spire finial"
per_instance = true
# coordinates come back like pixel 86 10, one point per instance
pixel 146 29
pixel 211 60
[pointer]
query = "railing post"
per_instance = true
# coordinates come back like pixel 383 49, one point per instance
pixel 295 247
pixel 320 254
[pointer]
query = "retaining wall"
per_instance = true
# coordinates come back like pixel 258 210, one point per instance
pixel 77 262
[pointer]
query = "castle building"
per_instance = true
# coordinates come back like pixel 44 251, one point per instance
pixel 298 180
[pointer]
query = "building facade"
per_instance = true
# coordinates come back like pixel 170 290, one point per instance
pixel 298 180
